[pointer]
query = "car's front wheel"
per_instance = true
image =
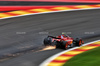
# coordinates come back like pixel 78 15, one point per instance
pixel 78 42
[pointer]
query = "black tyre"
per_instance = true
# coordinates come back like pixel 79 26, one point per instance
pixel 54 43
pixel 58 45
pixel 47 41
pixel 64 45
pixel 78 42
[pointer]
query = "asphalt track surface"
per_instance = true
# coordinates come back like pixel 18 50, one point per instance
pixel 23 3
pixel 26 33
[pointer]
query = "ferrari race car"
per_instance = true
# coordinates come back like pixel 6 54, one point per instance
pixel 62 41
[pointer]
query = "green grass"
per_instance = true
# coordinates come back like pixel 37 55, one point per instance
pixel 88 58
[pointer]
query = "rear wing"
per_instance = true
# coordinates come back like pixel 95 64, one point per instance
pixel 54 37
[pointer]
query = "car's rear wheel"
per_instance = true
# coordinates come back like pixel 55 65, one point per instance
pixel 47 41
pixel 65 45
pixel 58 45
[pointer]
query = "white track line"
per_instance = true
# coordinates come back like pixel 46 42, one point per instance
pixel 51 12
pixel 46 62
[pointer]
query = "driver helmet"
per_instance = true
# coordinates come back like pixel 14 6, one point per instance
pixel 63 33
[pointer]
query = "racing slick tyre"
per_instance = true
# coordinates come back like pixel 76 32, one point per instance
pixel 54 43
pixel 78 42
pixel 58 45
pixel 47 41
pixel 65 45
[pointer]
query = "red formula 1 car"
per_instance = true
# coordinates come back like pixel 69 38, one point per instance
pixel 62 41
